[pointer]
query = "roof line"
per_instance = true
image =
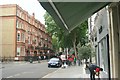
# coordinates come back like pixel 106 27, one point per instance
pixel 53 6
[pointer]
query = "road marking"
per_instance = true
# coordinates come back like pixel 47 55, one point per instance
pixel 19 74
pixel 26 72
pixel 16 74
pixel 46 76
pixel 10 77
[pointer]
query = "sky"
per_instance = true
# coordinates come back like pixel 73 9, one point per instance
pixel 31 6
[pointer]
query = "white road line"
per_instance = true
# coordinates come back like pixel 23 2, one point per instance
pixel 19 74
pixel 26 72
pixel 10 77
pixel 46 76
pixel 16 74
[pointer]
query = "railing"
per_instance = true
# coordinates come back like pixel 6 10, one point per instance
pixel 7 59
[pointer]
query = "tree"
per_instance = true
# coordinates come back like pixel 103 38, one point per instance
pixel 85 52
pixel 77 35
pixel 55 43
pixel 54 30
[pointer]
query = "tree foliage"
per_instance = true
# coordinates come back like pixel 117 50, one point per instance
pixel 54 30
pixel 85 52
pixel 78 35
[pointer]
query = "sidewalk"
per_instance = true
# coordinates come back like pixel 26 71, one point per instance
pixel 69 72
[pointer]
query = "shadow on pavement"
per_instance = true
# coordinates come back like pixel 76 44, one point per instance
pixel 87 71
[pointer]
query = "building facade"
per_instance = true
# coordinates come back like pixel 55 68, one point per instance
pixel 22 34
pixel 100 38
pixel 108 43
pixel 114 39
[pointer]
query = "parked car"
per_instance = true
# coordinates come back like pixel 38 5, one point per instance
pixel 54 62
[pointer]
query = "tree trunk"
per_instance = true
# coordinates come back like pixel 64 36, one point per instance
pixel 90 58
pixel 86 63
pixel 74 41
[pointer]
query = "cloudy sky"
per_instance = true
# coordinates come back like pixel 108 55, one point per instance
pixel 31 6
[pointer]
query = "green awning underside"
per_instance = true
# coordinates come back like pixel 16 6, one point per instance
pixel 69 14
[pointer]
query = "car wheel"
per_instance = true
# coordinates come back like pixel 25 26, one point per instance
pixel 60 65
pixel 49 66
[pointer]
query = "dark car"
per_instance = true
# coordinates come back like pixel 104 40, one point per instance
pixel 54 62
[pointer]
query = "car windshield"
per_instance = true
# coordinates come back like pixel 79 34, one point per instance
pixel 54 60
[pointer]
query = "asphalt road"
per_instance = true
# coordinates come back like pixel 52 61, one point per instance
pixel 26 70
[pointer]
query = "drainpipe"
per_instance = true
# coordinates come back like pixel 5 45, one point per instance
pixel 109 74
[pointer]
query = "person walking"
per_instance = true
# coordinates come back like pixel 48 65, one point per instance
pixel 39 58
pixel 74 60
pixel 79 62
pixel 94 70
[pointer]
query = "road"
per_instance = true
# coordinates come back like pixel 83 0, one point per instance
pixel 26 70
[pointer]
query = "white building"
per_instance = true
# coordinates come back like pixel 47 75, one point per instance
pixel 100 39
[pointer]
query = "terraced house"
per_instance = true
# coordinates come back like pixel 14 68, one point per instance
pixel 22 34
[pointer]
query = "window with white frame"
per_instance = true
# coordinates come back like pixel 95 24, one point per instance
pixel 23 37
pixel 22 15
pixel 17 24
pixel 18 36
pixel 21 25
pixel 29 39
pixel 28 19
pixel 33 30
pixel 28 29
pixel 18 12
pixel 18 51
pixel 22 51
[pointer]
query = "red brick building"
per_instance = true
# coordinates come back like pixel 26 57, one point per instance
pixel 26 35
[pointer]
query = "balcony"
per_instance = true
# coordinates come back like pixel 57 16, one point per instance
pixel 30 33
pixel 31 47
pixel 21 29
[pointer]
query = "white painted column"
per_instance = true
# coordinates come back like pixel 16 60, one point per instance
pixel 113 42
pixel 118 9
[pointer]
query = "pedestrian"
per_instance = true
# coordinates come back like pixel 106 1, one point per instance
pixel 94 70
pixel 79 62
pixel 44 57
pixel 74 60
pixel 39 58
